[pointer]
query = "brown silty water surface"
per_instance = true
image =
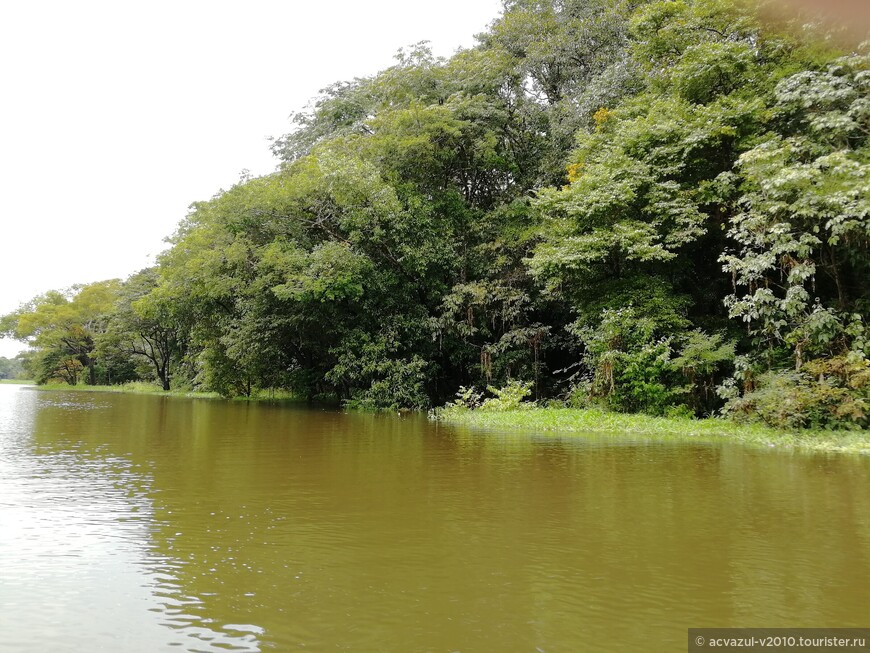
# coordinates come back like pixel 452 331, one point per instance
pixel 144 523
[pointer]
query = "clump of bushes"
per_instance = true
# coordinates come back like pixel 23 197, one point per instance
pixel 832 393
pixel 511 396
pixel 633 364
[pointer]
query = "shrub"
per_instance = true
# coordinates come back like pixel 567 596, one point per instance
pixel 509 397
pixel 397 384
pixel 466 399
pixel 826 393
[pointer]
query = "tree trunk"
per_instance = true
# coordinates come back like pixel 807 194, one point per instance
pixel 163 375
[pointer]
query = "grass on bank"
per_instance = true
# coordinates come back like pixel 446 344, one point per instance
pixel 140 387
pixel 133 387
pixel 16 382
pixel 592 421
pixel 576 421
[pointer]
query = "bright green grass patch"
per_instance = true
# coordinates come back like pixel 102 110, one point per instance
pixel 133 387
pixel 141 387
pixel 572 420
pixel 271 394
pixel 16 382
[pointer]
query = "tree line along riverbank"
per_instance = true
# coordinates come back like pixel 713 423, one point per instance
pixel 649 207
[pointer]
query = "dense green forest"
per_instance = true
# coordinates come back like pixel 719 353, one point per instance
pixel 650 206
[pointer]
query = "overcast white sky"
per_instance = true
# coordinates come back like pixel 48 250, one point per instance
pixel 116 115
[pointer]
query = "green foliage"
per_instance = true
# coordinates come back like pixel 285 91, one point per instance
pixel 827 393
pixel 569 422
pixel 630 361
pixel 620 202
pixel 55 366
pixel 372 372
pixel 703 361
pixel 143 329
pixel 508 397
pixel 394 384
pixel 466 399
pixel 64 327
pixel 800 270
pixel 11 368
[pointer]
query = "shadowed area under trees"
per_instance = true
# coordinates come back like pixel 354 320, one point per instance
pixel 646 206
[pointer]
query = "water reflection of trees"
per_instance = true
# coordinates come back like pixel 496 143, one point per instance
pixel 287 527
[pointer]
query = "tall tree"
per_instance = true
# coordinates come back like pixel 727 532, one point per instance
pixel 67 325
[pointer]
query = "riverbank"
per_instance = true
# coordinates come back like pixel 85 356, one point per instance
pixel 16 382
pixel 138 387
pixel 565 421
pixel 569 421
